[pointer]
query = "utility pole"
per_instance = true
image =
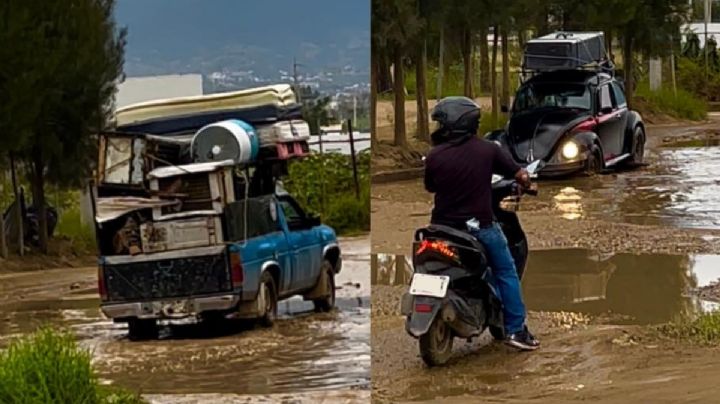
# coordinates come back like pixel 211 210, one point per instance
pixel 295 77
pixel 705 47
pixel 296 81
pixel 355 106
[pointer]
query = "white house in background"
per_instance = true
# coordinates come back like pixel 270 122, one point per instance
pixel 139 89
pixel 713 30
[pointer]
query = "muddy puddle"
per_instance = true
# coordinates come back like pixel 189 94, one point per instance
pixel 679 187
pixel 303 352
pixel 611 289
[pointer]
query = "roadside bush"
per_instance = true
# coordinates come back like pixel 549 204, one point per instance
pixel 684 105
pixel 704 329
pixel 324 185
pixel 691 77
pixel 486 124
pixel 48 367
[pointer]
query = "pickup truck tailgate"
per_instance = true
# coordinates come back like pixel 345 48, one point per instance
pixel 199 271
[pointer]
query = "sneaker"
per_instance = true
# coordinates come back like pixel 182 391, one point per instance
pixel 523 340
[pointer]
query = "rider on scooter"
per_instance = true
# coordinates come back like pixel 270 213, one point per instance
pixel 458 170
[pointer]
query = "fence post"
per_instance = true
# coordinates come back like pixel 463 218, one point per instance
pixel 322 170
pixel 3 241
pixel 19 213
pixel 354 160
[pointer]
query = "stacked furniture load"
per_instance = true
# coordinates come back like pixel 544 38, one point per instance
pixel 272 111
pixel 173 167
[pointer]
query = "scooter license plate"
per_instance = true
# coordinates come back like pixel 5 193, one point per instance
pixel 429 285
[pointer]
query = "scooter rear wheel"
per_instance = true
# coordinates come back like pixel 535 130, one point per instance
pixel 436 344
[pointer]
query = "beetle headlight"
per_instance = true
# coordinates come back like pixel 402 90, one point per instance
pixel 570 150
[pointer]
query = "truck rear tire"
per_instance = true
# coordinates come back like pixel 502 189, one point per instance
pixel 267 287
pixel 327 303
pixel 142 329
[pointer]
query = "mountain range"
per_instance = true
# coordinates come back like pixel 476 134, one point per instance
pixel 242 43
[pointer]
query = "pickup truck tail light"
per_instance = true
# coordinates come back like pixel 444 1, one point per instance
pixel 236 269
pixel 102 289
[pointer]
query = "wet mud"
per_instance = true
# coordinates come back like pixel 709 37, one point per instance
pixel 611 256
pixel 589 310
pixel 306 355
pixel 672 205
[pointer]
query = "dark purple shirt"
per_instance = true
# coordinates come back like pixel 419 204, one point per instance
pixel 460 174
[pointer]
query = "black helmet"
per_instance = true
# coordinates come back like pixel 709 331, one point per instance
pixel 457 116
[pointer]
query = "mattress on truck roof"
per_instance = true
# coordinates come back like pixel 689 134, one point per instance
pixel 185 114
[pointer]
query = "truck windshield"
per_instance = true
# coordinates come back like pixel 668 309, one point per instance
pixel 561 95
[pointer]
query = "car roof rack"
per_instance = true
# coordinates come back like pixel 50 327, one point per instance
pixel 566 51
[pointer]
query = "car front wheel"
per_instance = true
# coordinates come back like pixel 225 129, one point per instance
pixel 637 155
pixel 593 164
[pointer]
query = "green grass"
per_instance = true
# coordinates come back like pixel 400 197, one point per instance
pixel 486 124
pixel 324 185
pixel 703 329
pixel 684 105
pixel 80 235
pixel 48 367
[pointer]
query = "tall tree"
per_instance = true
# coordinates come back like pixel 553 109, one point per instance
pixel 505 96
pixel 493 78
pixel 397 24
pixel 67 60
pixel 423 126
pixel 484 60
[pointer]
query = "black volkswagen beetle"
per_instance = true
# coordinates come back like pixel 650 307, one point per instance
pixel 575 121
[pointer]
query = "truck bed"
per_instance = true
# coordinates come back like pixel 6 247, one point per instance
pixel 190 273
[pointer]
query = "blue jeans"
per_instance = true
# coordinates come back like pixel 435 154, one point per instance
pixel 505 279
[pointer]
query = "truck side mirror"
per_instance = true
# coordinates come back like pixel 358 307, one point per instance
pixel 313 221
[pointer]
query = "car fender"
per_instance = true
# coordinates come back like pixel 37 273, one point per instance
pixel 634 119
pixel 587 140
pixel 331 252
pixel 273 267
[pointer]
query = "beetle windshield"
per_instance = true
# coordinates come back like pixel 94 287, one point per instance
pixel 560 95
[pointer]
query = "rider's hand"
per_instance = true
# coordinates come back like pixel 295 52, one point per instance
pixel 523 178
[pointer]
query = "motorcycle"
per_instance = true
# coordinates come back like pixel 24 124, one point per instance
pixel 451 293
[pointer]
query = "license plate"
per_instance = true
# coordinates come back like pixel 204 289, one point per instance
pixel 429 285
pixel 173 308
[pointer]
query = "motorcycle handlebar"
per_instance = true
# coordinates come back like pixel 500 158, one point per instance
pixel 517 188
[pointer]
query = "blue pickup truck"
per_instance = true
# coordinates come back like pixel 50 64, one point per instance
pixel 228 257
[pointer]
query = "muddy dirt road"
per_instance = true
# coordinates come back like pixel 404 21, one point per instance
pixel 670 206
pixel 589 310
pixel 610 257
pixel 305 357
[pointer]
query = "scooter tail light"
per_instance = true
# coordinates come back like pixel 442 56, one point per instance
pixel 102 288
pixel 423 308
pixel 236 269
pixel 437 246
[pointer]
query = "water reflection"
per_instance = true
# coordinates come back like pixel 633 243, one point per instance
pixel 679 188
pixel 631 288
pixel 569 203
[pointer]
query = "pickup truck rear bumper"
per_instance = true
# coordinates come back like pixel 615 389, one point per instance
pixel 170 309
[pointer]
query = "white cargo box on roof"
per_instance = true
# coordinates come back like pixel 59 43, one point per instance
pixel 564 50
